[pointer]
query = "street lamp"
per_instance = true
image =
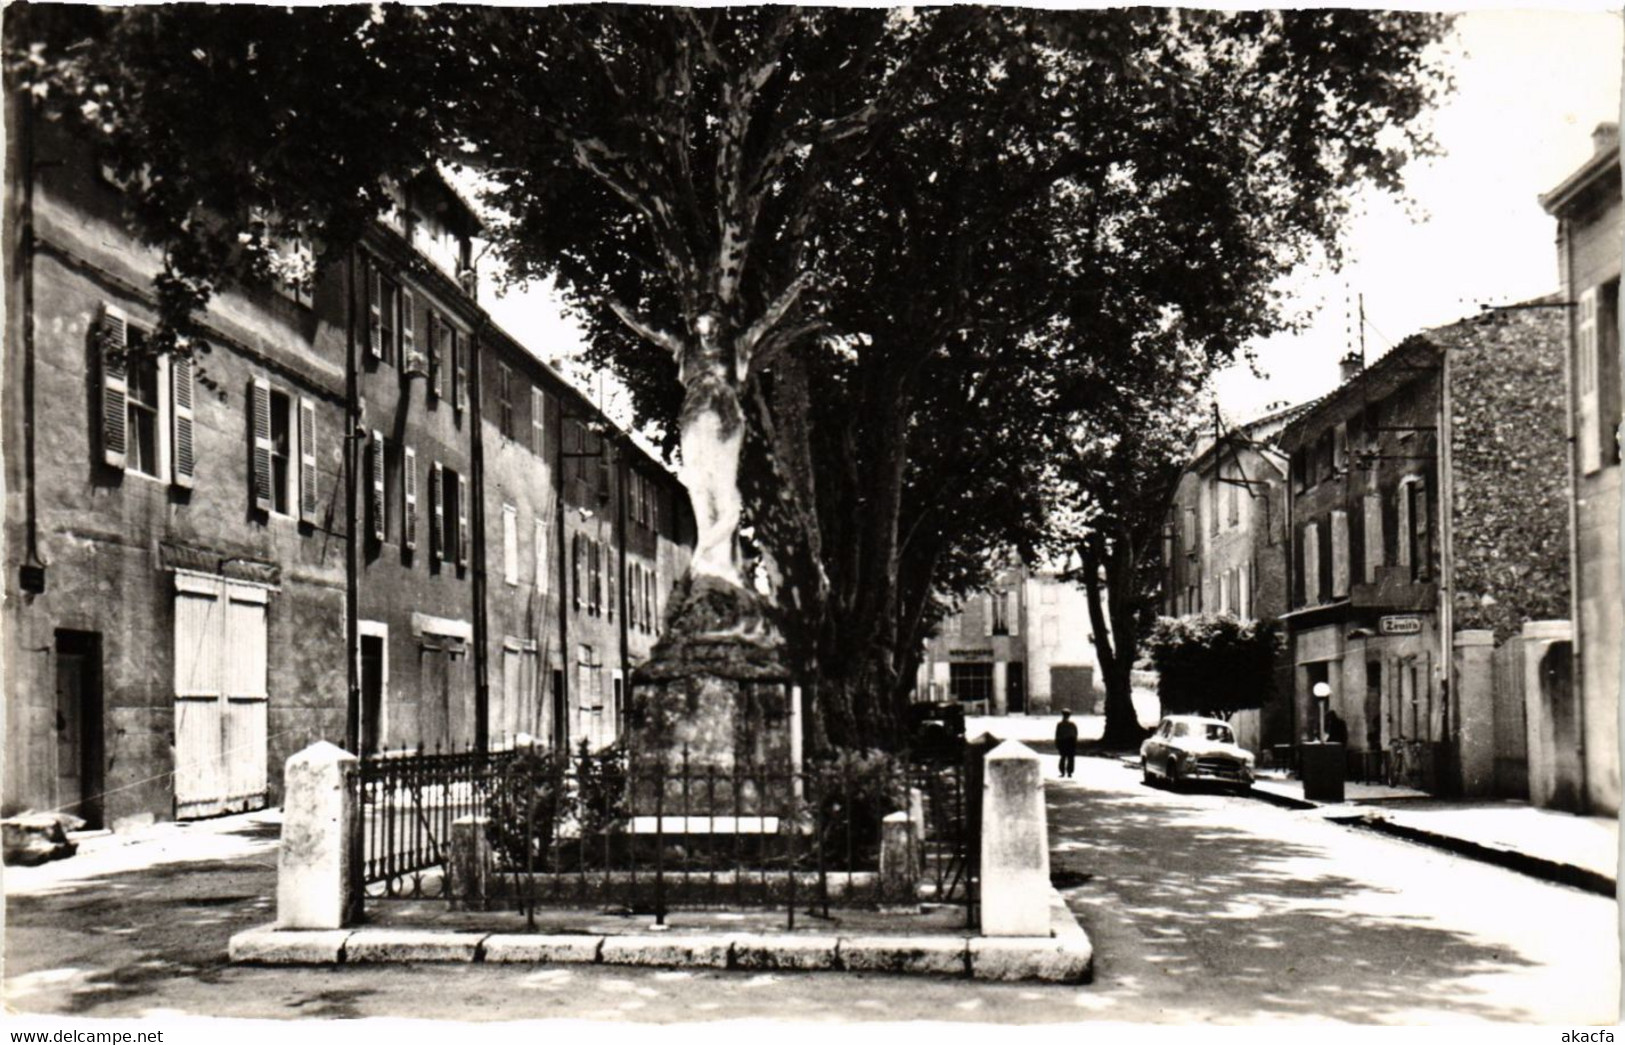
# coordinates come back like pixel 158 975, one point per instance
pixel 1323 694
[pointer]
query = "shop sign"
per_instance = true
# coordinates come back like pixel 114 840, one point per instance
pixel 1408 625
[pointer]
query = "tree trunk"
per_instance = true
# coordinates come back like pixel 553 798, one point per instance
pixel 1115 648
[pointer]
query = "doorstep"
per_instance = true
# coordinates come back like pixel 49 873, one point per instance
pixel 1065 956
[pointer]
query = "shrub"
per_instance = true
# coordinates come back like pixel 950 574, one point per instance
pixel 1214 664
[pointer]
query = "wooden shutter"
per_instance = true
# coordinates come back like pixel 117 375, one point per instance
pixel 183 423
pixel 541 555
pixel 259 408
pixel 1588 421
pixel 376 508
pixel 611 581
pixel 115 341
pixel 374 281
pixel 1013 610
pixel 575 570
pixel 437 362
pixel 437 512
pixel 462 520
pixel 1374 559
pixel 1340 554
pixel 410 352
pixel 459 351
pixel 307 461
pixel 409 512
pixel 537 421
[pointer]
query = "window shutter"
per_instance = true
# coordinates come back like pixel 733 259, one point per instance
pixel 1014 616
pixel 462 520
pixel 375 501
pixel 115 338
pixel 409 486
pixel 1373 536
pixel 1586 381
pixel 437 512
pixel 183 421
pixel 611 582
pixel 307 461
pixel 575 570
pixel 437 359
pixel 409 341
pixel 987 614
pixel 459 350
pixel 374 280
pixel 1423 562
pixel 537 421
pixel 541 556
pixel 651 619
pixel 1404 528
pixel 260 426
pixel 1340 554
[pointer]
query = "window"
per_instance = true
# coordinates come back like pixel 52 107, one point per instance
pixel 1232 502
pixel 1000 613
pixel 589 680
pixel 438 338
pixel 409 494
pixel 1190 532
pixel 281 453
pixel 141 410
pixel 377 487
pixel 510 544
pixel 448 533
pixel 1596 376
pixel 283 432
pixel 383 310
pixel 460 349
pixel 147 420
pixel 1417 543
pixel 576 571
pixel 412 355
pixel 971 682
pixel 504 410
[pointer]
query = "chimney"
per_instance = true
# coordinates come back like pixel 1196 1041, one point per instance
pixel 1605 137
pixel 1350 366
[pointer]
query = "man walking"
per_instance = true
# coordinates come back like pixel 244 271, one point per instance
pixel 1066 739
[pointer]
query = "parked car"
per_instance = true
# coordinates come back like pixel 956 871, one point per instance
pixel 1188 748
pixel 936 731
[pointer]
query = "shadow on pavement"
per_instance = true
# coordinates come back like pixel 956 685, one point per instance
pixel 1236 912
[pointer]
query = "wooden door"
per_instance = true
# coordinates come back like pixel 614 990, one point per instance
pixel 221 702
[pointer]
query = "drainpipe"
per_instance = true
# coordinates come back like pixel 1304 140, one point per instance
pixel 1565 255
pixel 352 563
pixel 1447 558
pixel 561 704
pixel 620 585
pixel 476 515
pixel 31 573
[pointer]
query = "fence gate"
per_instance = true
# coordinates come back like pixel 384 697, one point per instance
pixel 221 728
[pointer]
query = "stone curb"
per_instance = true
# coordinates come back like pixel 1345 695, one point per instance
pixel 1066 956
pixel 1513 860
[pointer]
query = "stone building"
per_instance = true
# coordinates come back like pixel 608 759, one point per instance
pixel 1426 518
pixel 1025 646
pixel 1590 230
pixel 176 531
pixel 1224 544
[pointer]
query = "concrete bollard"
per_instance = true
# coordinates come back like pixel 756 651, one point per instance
pixel 916 823
pixel 1015 844
pixel 468 864
pixel 314 867
pixel 899 873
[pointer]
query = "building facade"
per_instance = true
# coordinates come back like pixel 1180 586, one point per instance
pixel 1425 516
pixel 177 531
pixel 1224 545
pixel 1590 227
pixel 1023 647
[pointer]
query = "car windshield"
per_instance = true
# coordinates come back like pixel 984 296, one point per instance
pixel 1220 733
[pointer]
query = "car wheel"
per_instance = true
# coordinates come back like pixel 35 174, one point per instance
pixel 1146 775
pixel 1171 771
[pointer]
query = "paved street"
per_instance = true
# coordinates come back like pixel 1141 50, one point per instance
pixel 1202 907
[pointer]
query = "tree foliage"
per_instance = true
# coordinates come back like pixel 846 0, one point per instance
pixel 1214 664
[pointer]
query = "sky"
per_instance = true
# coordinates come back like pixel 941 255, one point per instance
pixel 1530 87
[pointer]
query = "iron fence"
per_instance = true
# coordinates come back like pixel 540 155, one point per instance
pixel 532 828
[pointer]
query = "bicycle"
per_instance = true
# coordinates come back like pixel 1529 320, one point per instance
pixel 1404 761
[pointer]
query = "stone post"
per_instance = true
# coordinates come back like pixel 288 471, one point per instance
pixel 314 869
pixel 1551 774
pixel 1475 711
pixel 468 864
pixel 916 823
pixel 1015 844
pixel 899 873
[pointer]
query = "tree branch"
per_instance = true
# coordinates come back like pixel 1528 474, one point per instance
pixel 645 329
